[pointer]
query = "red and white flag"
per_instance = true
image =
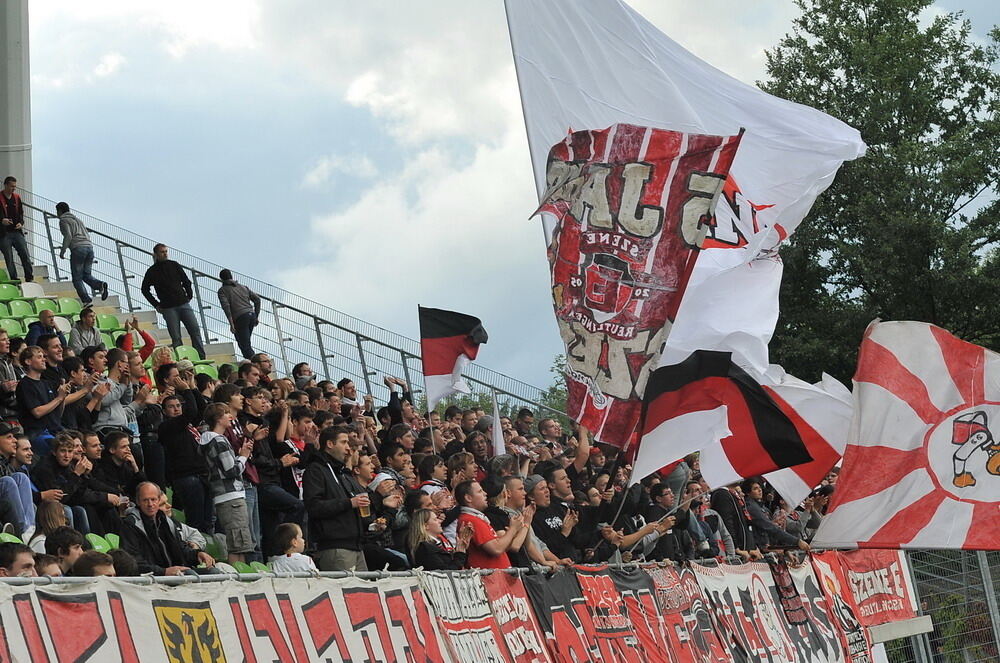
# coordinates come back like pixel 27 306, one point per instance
pixel 922 465
pixel 448 342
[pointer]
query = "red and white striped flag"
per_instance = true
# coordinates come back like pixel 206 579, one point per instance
pixel 922 464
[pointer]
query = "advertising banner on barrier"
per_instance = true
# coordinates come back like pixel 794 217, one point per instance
pixel 852 633
pixel 880 585
pixel 613 624
pixel 267 620
pixel 515 618
pixel 746 603
pixel 561 612
pixel 463 610
pixel 690 632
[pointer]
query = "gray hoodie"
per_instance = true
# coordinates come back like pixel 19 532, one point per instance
pixel 237 299
pixel 73 231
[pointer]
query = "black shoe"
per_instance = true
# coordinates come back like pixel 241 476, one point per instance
pixel 104 291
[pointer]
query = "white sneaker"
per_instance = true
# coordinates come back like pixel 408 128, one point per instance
pixel 28 533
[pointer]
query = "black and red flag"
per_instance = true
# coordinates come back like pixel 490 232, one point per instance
pixel 763 435
pixel 448 341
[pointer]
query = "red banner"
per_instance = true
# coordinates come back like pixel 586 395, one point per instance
pixel 515 618
pixel 878 582
pixel 633 205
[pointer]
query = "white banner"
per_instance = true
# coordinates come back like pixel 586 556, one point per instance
pixel 288 620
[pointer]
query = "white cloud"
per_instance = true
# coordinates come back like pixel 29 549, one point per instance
pixel 109 64
pixel 319 173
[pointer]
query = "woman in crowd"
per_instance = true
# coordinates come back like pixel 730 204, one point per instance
pixel 430 549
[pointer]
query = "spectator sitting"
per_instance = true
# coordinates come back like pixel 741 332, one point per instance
pixel 173 297
pixel 84 333
pixel 428 547
pixel 39 402
pixel 125 564
pixel 49 517
pixel 122 400
pixel 290 539
pixel 154 540
pixel 263 363
pixel 303 376
pixel 10 373
pixel 118 468
pixel 487 550
pixel 66 545
pixel 15 487
pixel 242 308
pixel 93 564
pixel 46 324
pixel 16 561
pixel 189 535
pixel 85 398
pixel 249 374
pixel 47 565
pixel 81 254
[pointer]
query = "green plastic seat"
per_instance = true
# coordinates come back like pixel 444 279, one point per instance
pixel 179 516
pixel 5 277
pixel 9 538
pixel 113 540
pixel 259 567
pixel 9 292
pixel 70 306
pixel 107 322
pixel 46 304
pixel 243 567
pixel 208 369
pixel 22 309
pixel 212 546
pixel 98 543
pixel 13 327
pixel 107 340
pixel 4 310
pixel 189 353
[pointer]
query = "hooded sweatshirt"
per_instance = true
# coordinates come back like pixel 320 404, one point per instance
pixel 225 467
pixel 237 300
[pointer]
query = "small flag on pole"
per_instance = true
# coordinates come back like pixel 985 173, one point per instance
pixel 448 342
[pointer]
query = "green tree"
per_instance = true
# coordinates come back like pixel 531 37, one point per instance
pixel 910 230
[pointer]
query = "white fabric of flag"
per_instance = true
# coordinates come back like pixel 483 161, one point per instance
pixel 587 65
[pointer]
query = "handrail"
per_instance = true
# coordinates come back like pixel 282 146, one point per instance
pixel 312 338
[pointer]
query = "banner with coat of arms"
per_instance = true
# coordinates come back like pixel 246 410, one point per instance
pixel 632 205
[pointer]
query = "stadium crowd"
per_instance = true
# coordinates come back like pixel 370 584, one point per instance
pixel 307 474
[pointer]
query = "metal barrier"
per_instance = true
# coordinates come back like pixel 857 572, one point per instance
pixel 291 329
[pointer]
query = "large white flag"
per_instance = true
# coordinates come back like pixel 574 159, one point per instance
pixel 590 65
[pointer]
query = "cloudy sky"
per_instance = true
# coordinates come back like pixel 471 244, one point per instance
pixel 370 156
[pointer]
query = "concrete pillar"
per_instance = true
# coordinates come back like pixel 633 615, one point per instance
pixel 15 93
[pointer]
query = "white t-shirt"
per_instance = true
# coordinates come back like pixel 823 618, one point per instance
pixel 292 563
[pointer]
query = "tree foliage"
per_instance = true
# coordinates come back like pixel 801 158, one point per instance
pixel 909 231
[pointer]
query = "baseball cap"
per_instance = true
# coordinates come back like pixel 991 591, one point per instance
pixel 532 481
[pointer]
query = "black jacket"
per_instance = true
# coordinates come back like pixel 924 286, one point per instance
pixel 121 477
pixel 150 556
pixel 433 557
pixel 675 545
pixel 171 282
pixel 725 504
pixel 327 489
pixel 766 532
pixel 180 445
pixel 48 474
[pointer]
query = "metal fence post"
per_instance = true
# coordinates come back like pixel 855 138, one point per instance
pixel 991 595
pixel 281 337
pixel 406 374
pixel 322 348
pixel 201 306
pixel 364 364
pixel 52 246
pixel 125 276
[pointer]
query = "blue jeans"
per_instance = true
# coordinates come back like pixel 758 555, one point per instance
pixel 244 327
pixel 81 259
pixel 192 496
pixel 253 510
pixel 76 516
pixel 10 241
pixel 174 316
pixel 16 489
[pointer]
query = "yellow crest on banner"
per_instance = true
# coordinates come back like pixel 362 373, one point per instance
pixel 189 632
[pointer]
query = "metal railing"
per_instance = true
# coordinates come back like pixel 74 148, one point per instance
pixel 291 328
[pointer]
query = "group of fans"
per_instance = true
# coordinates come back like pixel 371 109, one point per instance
pixel 307 475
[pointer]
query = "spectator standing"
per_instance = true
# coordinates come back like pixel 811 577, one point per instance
pixel 81 254
pixel 486 549
pixel 12 227
pixel 242 308
pixel 430 549
pixel 334 502
pixel 10 373
pixel 173 297
pixel 226 481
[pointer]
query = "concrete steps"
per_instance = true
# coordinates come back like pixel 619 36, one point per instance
pixel 221 352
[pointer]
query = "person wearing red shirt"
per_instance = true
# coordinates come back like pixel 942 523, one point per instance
pixel 487 549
